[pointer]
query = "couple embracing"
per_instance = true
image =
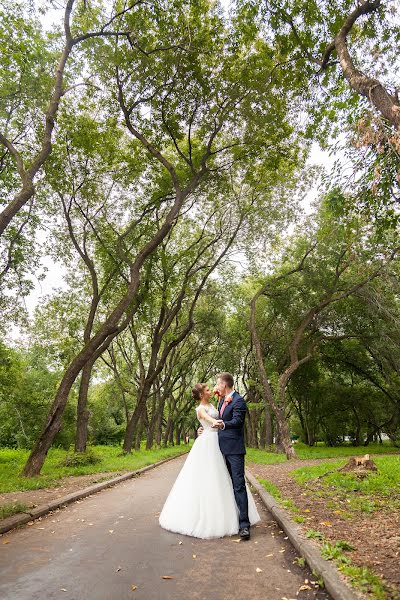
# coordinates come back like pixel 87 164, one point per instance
pixel 210 498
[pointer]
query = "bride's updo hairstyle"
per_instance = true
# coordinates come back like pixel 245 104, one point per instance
pixel 198 390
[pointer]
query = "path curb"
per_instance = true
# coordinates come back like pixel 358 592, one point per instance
pixel 24 517
pixel 334 584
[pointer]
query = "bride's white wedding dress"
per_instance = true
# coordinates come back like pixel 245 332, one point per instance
pixel 201 502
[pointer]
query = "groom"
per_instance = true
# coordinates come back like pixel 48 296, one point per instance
pixel 232 412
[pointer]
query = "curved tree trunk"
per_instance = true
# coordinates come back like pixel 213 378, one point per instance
pixel 92 350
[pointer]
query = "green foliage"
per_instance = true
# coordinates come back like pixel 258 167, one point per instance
pixel 314 535
pixel 26 388
pixel 81 459
pixel 365 580
pixel 335 551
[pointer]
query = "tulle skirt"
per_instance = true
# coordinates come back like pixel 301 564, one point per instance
pixel 201 502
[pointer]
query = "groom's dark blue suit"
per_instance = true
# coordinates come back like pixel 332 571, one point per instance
pixel 231 443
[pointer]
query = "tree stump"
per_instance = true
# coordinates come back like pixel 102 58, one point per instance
pixel 360 465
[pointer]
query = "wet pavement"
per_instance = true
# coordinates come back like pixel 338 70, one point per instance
pixel 110 546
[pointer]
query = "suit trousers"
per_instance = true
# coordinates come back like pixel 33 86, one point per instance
pixel 235 464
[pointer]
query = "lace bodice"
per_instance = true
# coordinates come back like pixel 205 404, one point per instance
pixel 210 410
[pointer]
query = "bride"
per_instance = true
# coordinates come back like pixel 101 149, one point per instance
pixel 201 502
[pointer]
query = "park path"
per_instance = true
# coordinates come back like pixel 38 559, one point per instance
pixel 99 547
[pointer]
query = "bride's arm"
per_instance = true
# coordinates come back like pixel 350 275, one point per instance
pixel 204 415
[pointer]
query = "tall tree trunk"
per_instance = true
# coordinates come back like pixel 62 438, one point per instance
pixel 160 422
pixel 152 424
pixel 83 413
pixel 269 434
pixel 171 435
pixel 252 421
pixel 136 416
pixel 178 435
pixel 139 431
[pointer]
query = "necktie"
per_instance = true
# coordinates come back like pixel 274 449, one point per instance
pixel 221 412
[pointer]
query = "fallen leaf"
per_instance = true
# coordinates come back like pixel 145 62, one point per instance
pixel 236 540
pixel 194 555
pixel 180 543
pixel 63 590
pixel 30 522
pixel 258 570
pixel 166 577
pixel 268 555
pixel 283 550
pixel 326 523
pixel 303 588
pixel 111 530
pixel 133 587
pixel 307 510
pixel 6 542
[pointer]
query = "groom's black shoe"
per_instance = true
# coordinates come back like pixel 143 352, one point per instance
pixel 244 533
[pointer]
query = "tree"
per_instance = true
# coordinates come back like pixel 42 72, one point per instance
pixel 341 260
pixel 201 94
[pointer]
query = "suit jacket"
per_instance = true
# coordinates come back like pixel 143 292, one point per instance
pixel 231 439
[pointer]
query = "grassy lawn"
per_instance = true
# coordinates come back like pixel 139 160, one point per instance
pixel 262 457
pixel 327 498
pixel 347 492
pixel 110 460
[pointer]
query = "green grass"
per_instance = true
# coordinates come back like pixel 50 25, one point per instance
pixel 271 489
pixel 347 491
pixel 263 457
pixel 360 578
pixel 365 580
pixel 12 462
pixel 12 508
pixel 289 504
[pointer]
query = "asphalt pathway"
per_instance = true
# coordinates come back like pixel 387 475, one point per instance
pixel 110 546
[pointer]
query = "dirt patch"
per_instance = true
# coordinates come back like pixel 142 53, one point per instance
pixel 375 536
pixel 66 485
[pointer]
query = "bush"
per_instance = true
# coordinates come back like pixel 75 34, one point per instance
pixel 81 459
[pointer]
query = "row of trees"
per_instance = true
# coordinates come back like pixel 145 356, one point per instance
pixel 171 143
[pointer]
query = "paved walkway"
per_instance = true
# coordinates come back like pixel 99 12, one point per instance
pixel 100 547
